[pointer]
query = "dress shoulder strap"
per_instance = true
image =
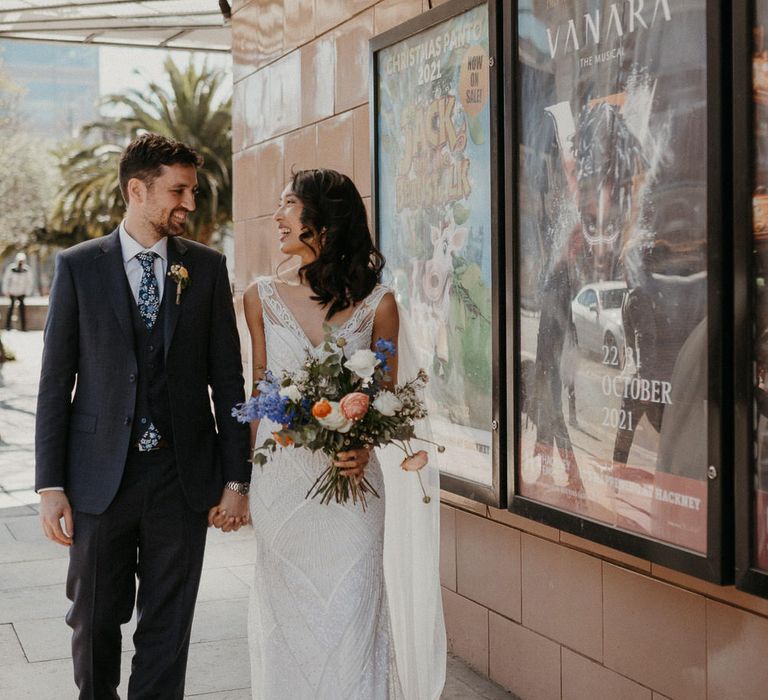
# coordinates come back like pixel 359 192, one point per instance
pixel 273 308
pixel 373 300
pixel 361 321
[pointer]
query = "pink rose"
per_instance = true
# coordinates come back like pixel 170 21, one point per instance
pixel 416 462
pixel 355 405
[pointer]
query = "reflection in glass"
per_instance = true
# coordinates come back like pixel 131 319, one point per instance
pixel 760 232
pixel 612 250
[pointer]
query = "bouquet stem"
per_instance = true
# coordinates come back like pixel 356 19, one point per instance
pixel 332 484
pixel 426 498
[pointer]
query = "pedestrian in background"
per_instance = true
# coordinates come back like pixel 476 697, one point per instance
pixel 18 283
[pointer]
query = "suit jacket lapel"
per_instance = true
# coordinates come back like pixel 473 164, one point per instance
pixel 116 283
pixel 176 250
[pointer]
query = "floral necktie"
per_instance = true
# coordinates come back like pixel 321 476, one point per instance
pixel 149 291
pixel 149 305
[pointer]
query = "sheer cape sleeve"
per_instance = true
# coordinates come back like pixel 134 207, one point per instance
pixel 412 555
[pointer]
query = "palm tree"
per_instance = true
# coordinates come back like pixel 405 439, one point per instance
pixel 193 110
pixel 88 203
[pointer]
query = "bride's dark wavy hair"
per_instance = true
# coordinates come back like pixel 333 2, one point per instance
pixel 348 265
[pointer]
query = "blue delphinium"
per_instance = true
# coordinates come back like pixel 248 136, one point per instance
pixel 268 403
pixel 384 350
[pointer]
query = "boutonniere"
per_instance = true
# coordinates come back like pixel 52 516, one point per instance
pixel 180 275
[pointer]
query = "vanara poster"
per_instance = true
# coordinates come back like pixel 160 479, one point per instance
pixel 612 271
pixel 434 222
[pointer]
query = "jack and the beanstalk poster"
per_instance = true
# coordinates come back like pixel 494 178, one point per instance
pixel 434 222
pixel 612 250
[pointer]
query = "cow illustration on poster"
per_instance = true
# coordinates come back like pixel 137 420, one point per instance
pixel 431 282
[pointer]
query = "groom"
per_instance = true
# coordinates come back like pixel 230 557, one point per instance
pixel 140 325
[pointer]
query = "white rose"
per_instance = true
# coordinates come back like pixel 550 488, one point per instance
pixel 292 392
pixel 387 403
pixel 335 420
pixel 362 363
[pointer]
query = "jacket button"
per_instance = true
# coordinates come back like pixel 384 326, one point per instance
pixel 127 420
pixel 132 378
pixel 151 348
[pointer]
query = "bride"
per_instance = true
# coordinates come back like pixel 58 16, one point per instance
pixel 325 622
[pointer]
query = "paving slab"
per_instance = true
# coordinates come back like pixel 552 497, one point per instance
pixel 33 603
pixel 242 694
pixel 16 511
pixel 216 584
pixel 231 553
pixel 5 535
pixel 462 683
pixel 24 496
pixel 220 620
pixel 47 680
pixel 45 640
pixel 11 651
pixel 15 499
pixel 244 573
pixel 25 528
pixel 42 572
pixel 30 551
pixel 218 666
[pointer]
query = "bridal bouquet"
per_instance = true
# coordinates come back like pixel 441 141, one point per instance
pixel 334 403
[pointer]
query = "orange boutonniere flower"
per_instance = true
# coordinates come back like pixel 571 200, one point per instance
pixel 180 275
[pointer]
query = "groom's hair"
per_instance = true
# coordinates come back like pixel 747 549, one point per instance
pixel 144 157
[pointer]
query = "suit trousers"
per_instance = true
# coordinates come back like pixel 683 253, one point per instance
pixel 149 535
pixel 22 313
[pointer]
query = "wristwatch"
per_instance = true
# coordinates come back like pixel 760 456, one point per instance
pixel 239 487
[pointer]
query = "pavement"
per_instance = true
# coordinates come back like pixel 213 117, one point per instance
pixel 35 657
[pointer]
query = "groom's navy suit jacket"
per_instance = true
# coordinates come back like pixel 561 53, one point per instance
pixel 82 438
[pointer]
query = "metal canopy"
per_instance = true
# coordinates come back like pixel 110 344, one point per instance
pixel 197 25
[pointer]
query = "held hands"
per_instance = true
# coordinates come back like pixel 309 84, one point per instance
pixel 231 513
pixel 54 505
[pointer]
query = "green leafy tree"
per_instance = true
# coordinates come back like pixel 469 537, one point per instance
pixel 195 109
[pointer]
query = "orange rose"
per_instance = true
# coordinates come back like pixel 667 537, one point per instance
pixel 284 440
pixel 321 408
pixel 355 405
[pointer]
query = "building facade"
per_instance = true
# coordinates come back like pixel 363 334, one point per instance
pixel 544 612
pixel 60 86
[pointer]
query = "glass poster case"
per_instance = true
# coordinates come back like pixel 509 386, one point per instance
pixel 614 202
pixel 750 75
pixel 434 120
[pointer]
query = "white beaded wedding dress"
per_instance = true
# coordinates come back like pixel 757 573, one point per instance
pixel 319 620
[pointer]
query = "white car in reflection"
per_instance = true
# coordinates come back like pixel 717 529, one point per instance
pixel 596 313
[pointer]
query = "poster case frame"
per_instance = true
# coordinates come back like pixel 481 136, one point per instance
pixel 717 565
pixel 749 577
pixel 494 494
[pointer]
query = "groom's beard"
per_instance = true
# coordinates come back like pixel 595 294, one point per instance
pixel 170 228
